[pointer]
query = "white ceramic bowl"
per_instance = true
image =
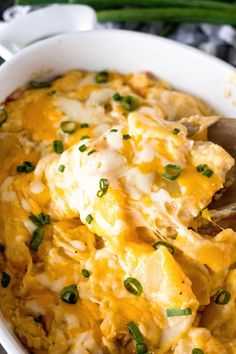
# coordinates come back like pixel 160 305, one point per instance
pixel 186 68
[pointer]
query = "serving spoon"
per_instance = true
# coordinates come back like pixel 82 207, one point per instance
pixel 223 133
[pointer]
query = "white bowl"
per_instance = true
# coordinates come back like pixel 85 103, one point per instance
pixel 186 68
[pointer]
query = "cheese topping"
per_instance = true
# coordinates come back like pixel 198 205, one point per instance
pixel 105 180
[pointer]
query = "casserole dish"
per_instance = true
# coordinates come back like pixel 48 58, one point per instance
pixel 187 69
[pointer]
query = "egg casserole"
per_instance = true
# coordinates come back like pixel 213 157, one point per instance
pixel 105 182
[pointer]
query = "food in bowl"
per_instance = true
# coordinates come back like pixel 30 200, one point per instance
pixel 104 222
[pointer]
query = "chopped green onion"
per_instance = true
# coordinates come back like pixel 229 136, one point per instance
pixel 201 168
pixel 51 93
pixel 205 170
pixel 68 126
pixel 171 172
pixel 100 193
pixel 26 167
pixel 5 280
pixel 38 319
pixel 37 238
pixel 178 312
pixel 197 351
pixel 61 168
pixel 126 137
pixel 89 218
pixel 129 103
pixel 41 220
pixel 175 131
pixel 85 137
pixel 165 244
pixel 222 297
pixel 117 96
pixel 103 184
pixel 3 116
pixel 141 348
pixel 38 84
pixel 85 273
pixel 20 168
pixel 44 219
pixel 133 286
pixel 70 294
pixel 102 77
pixel 35 220
pixel 114 130
pixel 91 152
pixel 135 331
pixel 2 248
pixel 82 148
pixel 84 125
pixel 58 146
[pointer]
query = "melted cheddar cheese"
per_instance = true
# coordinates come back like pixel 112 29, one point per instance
pixel 103 180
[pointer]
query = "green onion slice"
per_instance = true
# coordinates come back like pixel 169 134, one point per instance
pixel 103 184
pixel 222 297
pixel 85 273
pixel 68 126
pixel 38 319
pixel 114 130
pixel 35 220
pixel 171 172
pixel 20 168
pixel 3 116
pixel 201 168
pixel 44 219
pixel 61 168
pixel 129 103
pixel 37 238
pixel 26 167
pixel 89 219
pixel 51 93
pixel 2 248
pixel 204 170
pixel 102 77
pixel 70 294
pixel 141 348
pixel 197 351
pixel 165 244
pixel 85 137
pixel 126 137
pixel 5 280
pixel 117 96
pixel 38 84
pixel 58 146
pixel 82 148
pixel 135 331
pixel 178 312
pixel 207 172
pixel 133 286
pixel 175 131
pixel 91 152
pixel 84 125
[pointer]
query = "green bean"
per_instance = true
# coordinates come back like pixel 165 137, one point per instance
pixel 170 14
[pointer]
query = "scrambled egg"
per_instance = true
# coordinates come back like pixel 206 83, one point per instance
pixel 104 182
